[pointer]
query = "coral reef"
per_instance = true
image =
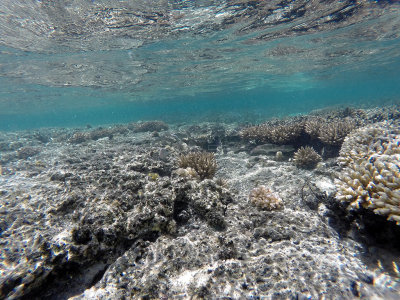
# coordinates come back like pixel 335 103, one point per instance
pixel 116 219
pixel 264 198
pixel 203 163
pixel 306 157
pixel 371 174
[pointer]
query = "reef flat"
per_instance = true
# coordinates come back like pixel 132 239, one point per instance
pixel 116 213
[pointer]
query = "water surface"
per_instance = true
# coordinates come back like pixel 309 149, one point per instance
pixel 69 63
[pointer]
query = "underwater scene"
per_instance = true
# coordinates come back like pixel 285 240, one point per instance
pixel 231 149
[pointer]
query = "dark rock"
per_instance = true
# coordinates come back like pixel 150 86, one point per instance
pixel 82 235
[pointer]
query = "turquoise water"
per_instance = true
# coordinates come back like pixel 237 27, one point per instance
pixel 99 62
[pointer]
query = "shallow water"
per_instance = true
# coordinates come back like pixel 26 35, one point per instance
pixel 297 208
pixel 71 63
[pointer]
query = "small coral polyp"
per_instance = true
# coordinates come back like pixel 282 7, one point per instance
pixel 371 174
pixel 264 198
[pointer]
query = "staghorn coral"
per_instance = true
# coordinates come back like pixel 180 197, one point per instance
pixel 255 133
pixel 312 126
pixel 285 134
pixel 334 132
pixel 264 198
pixel 331 131
pixel 277 132
pixel 371 174
pixel 203 163
pixel 306 157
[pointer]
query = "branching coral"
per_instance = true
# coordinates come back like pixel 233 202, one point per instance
pixel 334 132
pixel 264 198
pixel 331 132
pixel 312 126
pixel 203 163
pixel 279 132
pixel 285 134
pixel 306 157
pixel 256 133
pixel 371 174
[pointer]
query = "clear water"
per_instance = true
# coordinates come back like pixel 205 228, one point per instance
pixel 72 63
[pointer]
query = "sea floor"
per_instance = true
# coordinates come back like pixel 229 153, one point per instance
pixel 103 213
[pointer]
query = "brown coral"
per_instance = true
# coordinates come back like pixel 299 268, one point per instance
pixel 306 157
